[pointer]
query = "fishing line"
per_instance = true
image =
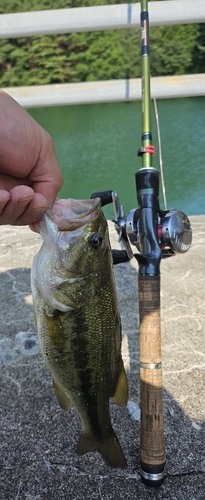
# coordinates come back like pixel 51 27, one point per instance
pixel 160 153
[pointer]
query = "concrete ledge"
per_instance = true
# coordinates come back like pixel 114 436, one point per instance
pixel 38 440
pixel 163 87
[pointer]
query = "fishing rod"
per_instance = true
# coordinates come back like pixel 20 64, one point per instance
pixel 156 234
pixel 152 446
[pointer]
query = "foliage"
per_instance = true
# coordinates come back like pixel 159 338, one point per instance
pixel 199 53
pixel 172 49
pixel 100 55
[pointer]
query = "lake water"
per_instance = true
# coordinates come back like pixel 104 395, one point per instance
pixel 96 147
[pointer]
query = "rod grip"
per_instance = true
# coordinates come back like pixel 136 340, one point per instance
pixel 152 447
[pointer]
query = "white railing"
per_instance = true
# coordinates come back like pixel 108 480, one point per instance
pixel 107 91
pixel 105 17
pixel 102 18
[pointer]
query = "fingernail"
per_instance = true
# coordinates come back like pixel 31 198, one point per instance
pixel 27 198
pixel 37 212
pixel 5 200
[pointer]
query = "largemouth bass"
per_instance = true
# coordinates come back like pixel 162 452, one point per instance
pixel 78 320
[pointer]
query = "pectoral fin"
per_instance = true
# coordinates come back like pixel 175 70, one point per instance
pixel 121 391
pixel 62 398
pixel 55 329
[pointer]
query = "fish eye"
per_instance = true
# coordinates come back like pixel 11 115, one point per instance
pixel 96 240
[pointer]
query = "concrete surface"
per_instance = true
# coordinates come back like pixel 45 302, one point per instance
pixel 38 440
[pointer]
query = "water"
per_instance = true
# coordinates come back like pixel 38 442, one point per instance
pixel 96 147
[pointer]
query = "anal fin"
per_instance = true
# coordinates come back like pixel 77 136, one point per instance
pixel 121 391
pixel 62 398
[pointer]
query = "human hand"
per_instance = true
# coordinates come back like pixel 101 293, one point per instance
pixel 30 176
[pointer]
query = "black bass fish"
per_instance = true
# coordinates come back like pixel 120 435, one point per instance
pixel 78 320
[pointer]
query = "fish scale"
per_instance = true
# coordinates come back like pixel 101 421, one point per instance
pixel 81 337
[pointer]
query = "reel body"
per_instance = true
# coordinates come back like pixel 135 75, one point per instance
pixel 173 229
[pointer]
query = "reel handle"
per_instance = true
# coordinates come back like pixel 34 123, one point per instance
pixel 105 196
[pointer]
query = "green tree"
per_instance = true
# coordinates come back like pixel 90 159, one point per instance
pixel 99 55
pixel 199 52
pixel 95 56
pixel 131 58
pixel 172 49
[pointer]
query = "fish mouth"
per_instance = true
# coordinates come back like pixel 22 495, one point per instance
pixel 70 214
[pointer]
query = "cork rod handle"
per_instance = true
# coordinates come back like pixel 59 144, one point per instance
pixel 152 447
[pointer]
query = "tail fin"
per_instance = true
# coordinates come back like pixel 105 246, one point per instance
pixel 109 448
